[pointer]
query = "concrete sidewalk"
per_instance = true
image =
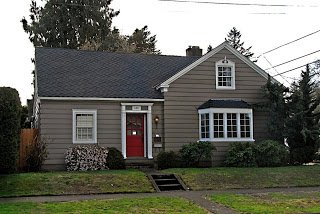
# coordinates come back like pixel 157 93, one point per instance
pixel 198 197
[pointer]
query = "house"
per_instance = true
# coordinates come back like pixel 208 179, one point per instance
pixel 143 104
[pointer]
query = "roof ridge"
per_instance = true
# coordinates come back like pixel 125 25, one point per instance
pixel 116 52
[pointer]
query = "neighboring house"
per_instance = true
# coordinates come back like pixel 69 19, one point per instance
pixel 143 104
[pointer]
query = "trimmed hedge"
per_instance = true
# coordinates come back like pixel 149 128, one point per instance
pixel 270 153
pixel 267 153
pixel 167 160
pixel 193 153
pixel 115 159
pixel 10 108
pixel 241 154
pixel 86 157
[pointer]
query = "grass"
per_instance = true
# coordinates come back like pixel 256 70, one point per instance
pixel 301 202
pixel 61 183
pixel 230 178
pixel 138 205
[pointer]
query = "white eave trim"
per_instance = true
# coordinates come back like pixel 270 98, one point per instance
pixel 225 44
pixel 100 99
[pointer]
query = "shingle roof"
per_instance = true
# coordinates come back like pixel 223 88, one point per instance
pixel 224 104
pixel 74 73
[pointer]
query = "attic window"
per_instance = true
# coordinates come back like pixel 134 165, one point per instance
pixel 225 74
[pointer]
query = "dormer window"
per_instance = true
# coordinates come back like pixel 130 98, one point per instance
pixel 225 74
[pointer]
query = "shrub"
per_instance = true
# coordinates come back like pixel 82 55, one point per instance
pixel 193 153
pixel 300 155
pixel 271 153
pixel 37 154
pixel 167 160
pixel 241 154
pixel 115 159
pixel 317 157
pixel 10 108
pixel 86 157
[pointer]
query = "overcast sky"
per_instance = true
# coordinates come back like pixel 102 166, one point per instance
pixel 180 24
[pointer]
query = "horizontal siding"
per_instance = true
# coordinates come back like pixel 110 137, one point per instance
pixel 56 126
pixel 202 97
pixel 157 110
pixel 188 92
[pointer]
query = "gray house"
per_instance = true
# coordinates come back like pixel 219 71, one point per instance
pixel 144 104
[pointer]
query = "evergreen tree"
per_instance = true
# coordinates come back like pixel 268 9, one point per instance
pixel 209 48
pixel 302 125
pixel 140 41
pixel 79 24
pixel 143 42
pixel 275 94
pixel 69 23
pixel 234 39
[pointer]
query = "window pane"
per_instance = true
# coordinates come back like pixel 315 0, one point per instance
pixel 245 125
pixel 232 125
pixel 205 125
pixel 84 133
pixel 224 76
pixel 84 127
pixel 84 120
pixel 218 125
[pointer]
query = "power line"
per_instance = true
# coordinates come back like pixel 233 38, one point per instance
pixel 291 60
pixel 275 69
pixel 268 13
pixel 238 4
pixel 295 68
pixel 317 31
pixel 293 78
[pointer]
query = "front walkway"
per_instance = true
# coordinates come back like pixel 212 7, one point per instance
pixel 198 197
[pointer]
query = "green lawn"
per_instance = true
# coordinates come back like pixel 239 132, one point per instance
pixel 138 205
pixel 228 178
pixel 56 183
pixel 271 202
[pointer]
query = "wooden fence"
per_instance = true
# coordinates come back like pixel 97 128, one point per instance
pixel 27 139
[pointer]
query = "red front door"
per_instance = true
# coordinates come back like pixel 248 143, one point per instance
pixel 135 135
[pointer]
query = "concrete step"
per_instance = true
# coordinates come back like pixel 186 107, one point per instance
pixel 138 162
pixel 166 182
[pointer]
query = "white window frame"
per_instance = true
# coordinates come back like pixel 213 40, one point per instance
pixel 94 131
pixel 200 126
pixel 226 63
pixel 225 111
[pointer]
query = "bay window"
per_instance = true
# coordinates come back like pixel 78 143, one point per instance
pixel 226 124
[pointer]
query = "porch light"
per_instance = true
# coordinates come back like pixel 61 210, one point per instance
pixel 156 120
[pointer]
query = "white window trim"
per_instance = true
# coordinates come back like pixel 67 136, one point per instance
pixel 227 63
pixel 94 132
pixel 225 111
pixel 205 139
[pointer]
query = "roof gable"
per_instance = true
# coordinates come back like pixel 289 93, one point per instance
pixel 226 45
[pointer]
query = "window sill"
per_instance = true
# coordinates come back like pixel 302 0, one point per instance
pixel 229 140
pixel 84 142
pixel 225 88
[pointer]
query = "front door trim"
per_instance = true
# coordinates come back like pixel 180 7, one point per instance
pixel 148 138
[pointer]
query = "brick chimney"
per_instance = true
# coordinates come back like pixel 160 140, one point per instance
pixel 193 51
